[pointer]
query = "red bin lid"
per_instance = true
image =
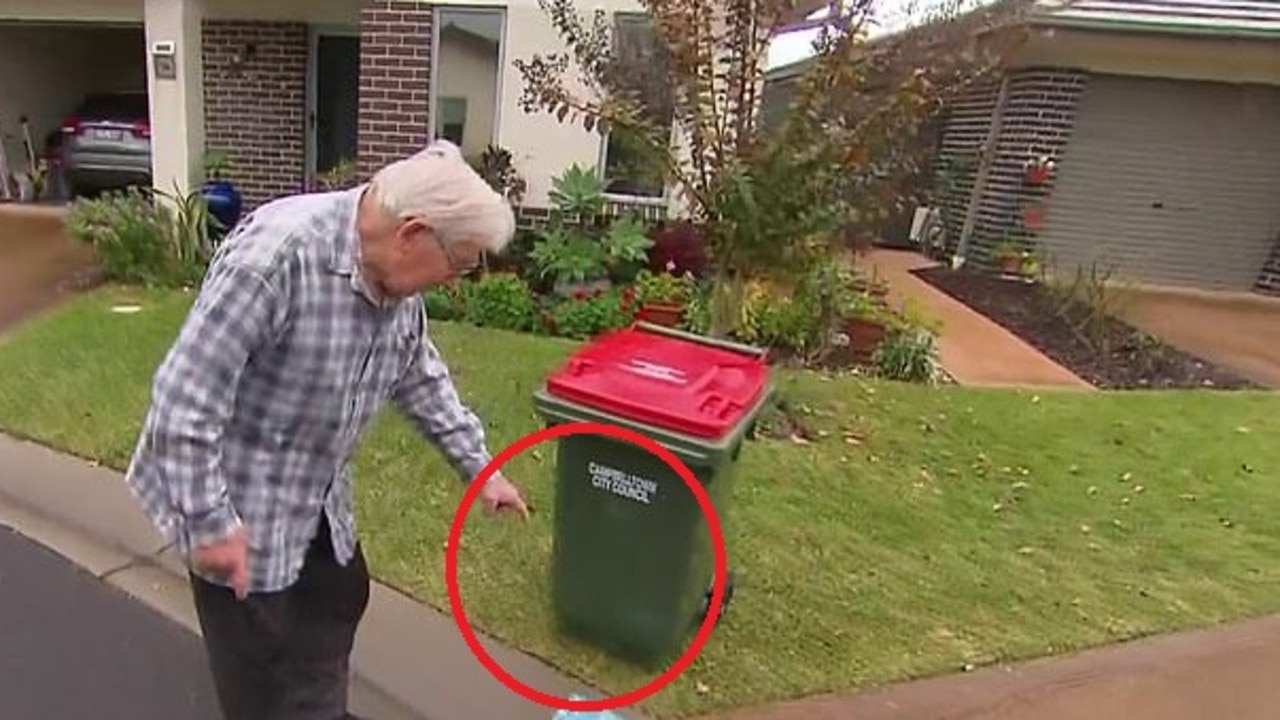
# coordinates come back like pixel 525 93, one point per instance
pixel 667 382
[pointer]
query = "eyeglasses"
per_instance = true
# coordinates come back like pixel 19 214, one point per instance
pixel 458 265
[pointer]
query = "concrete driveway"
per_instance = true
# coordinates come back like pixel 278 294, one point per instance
pixel 1237 331
pixel 39 264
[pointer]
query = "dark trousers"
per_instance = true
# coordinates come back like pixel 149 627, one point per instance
pixel 284 655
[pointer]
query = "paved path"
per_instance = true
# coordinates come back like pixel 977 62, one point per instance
pixel 1220 673
pixel 973 349
pixel 72 646
pixel 1240 331
pixel 39 265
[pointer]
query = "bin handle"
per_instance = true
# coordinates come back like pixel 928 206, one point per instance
pixel 740 348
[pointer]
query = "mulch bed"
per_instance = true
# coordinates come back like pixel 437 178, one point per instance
pixel 1132 360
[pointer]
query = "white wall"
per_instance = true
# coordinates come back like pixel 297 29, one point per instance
pixel 46 70
pixel 543 147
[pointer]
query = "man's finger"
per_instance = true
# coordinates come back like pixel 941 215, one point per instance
pixel 519 506
pixel 240 581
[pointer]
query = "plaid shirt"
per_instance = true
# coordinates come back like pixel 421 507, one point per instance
pixel 282 362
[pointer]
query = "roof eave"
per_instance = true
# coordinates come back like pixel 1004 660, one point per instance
pixel 1124 26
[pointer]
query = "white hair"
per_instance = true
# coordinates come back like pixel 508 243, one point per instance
pixel 438 186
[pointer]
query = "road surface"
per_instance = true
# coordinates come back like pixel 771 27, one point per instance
pixel 74 647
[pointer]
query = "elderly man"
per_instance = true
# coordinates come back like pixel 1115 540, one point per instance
pixel 309 319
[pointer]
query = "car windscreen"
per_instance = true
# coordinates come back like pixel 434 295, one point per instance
pixel 121 106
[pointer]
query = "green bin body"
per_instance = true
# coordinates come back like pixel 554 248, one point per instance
pixel 632 562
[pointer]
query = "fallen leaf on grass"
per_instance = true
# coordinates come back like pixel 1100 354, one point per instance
pixel 702 688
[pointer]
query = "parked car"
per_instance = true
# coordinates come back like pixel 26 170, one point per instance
pixel 106 143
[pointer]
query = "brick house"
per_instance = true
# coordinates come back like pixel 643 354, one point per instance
pixel 1162 118
pixel 293 88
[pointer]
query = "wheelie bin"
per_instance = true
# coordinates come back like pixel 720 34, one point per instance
pixel 632 561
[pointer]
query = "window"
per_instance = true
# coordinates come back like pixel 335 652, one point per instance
pixel 467 70
pixel 452 124
pixel 640 68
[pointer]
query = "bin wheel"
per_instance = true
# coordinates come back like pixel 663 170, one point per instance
pixel 729 584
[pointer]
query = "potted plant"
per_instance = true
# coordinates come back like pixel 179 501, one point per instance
pixel 1033 216
pixel 664 296
pixel 225 202
pixel 1030 266
pixel 865 325
pixel 1037 171
pixel 1008 254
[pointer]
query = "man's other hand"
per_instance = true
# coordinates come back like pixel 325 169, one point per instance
pixel 228 560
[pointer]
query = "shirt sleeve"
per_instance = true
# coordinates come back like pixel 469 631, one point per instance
pixel 194 395
pixel 426 394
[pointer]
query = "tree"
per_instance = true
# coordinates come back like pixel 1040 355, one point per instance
pixel 770 203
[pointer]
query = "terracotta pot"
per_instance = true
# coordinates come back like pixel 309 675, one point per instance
pixel 1011 264
pixel 864 337
pixel 665 314
pixel 1033 217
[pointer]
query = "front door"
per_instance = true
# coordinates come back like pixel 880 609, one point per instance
pixel 333 117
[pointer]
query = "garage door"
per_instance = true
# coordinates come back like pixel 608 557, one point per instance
pixel 1168 182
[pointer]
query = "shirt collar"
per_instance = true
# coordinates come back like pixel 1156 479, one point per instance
pixel 345 259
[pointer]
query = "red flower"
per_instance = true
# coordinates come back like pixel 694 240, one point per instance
pixel 599 292
pixel 580 294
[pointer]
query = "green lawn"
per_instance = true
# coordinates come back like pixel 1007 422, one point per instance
pixel 922 530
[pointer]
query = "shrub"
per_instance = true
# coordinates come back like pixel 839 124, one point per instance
pixel 501 301
pixel 586 316
pixel 342 176
pixel 141 241
pixel 446 303
pixel 697 314
pixel 681 244
pixel 664 287
pixel 908 354
pixel 579 246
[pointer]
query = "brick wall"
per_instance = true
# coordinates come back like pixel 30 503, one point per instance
pixel 968 120
pixel 1269 279
pixel 1039 114
pixel 257 112
pixel 395 77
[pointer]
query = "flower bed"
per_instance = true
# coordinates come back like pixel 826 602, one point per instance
pixel 584 274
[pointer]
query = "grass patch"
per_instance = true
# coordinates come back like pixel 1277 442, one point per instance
pixel 921 530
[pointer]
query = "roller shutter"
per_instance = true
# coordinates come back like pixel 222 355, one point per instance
pixel 1169 182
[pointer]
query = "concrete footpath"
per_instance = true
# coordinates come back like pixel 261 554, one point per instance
pixel 1219 673
pixel 972 348
pixel 410 661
